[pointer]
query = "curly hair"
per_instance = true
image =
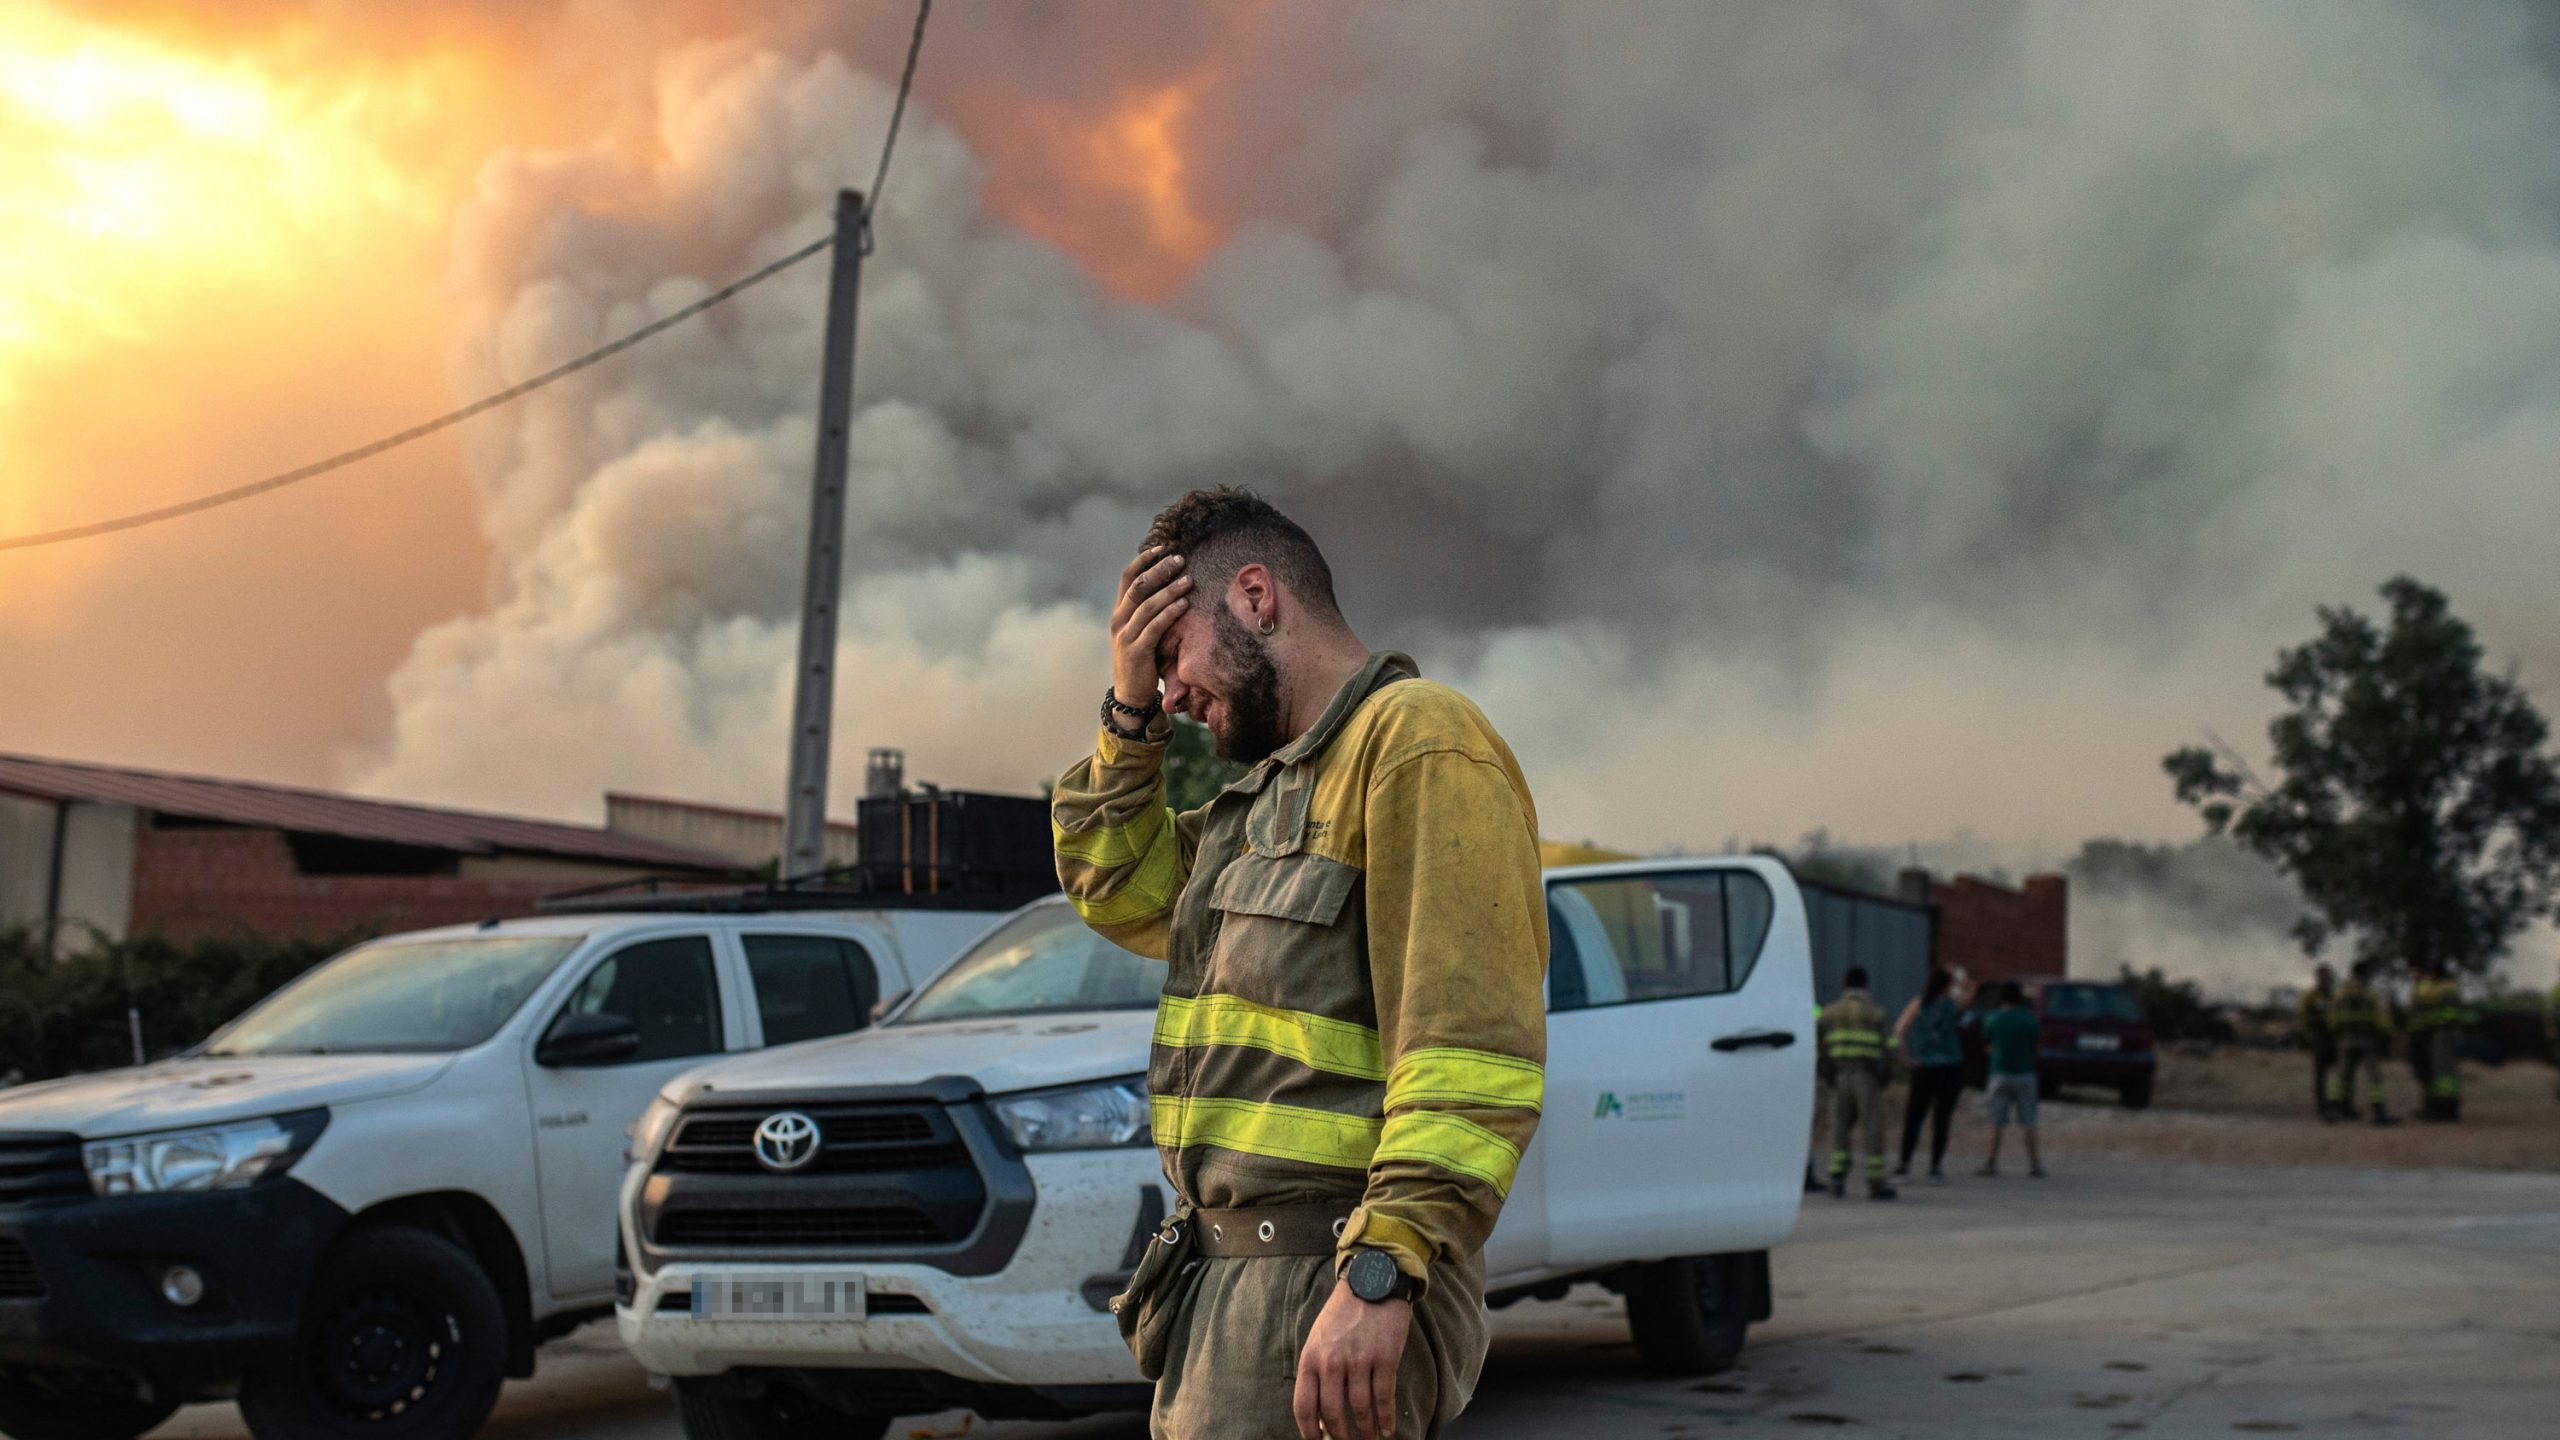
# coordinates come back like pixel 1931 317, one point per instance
pixel 1219 531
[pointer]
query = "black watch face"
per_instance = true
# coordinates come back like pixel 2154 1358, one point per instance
pixel 1373 1275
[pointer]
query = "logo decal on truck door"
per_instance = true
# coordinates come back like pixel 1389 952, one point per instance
pixel 1642 1105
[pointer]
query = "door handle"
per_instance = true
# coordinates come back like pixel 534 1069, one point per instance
pixel 1768 1039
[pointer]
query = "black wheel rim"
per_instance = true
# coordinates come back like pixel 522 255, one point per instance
pixel 380 1354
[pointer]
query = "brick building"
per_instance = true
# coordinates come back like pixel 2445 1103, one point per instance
pixel 134 852
pixel 1993 931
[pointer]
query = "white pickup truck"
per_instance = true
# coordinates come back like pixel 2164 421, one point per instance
pixel 360 1206
pixel 934 1213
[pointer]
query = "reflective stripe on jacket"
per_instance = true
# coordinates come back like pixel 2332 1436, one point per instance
pixel 2436 1003
pixel 1356 934
pixel 2356 1011
pixel 1852 1030
pixel 2314 1013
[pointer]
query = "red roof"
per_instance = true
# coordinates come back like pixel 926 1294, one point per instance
pixel 318 812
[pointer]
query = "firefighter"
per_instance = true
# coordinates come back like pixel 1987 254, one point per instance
pixel 1348 1054
pixel 2321 1041
pixel 2362 1026
pixel 1814 1184
pixel 2551 1025
pixel 2417 1032
pixel 1850 1035
pixel 2436 1022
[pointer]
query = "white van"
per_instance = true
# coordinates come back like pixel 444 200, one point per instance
pixel 360 1206
pixel 935 1212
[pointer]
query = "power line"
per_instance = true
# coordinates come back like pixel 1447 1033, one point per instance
pixel 421 430
pixel 517 391
pixel 889 143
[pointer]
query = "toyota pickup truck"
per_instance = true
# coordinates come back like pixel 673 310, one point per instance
pixel 934 1213
pixel 360 1206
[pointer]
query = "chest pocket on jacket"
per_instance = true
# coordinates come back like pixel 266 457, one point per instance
pixel 1289 932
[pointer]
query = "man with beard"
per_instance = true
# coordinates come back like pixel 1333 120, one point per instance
pixel 1348 1053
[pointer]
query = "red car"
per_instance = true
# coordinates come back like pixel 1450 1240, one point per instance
pixel 2089 1033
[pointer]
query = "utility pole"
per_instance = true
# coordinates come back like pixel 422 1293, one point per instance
pixel 813 709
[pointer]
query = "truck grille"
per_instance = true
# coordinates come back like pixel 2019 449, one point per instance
pixel 18 1279
pixel 886 1176
pixel 851 1141
pixel 40 1167
pixel 843 1225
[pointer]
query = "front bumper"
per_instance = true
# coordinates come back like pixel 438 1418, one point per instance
pixel 96 1262
pixel 1035 1322
pixel 2096 1067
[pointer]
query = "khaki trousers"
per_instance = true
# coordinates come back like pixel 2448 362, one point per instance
pixel 1231 1371
pixel 1857 1103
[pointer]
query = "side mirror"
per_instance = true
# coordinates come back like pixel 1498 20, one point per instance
pixel 881 1007
pixel 589 1039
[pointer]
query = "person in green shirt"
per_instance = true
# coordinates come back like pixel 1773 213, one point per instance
pixel 2010 1034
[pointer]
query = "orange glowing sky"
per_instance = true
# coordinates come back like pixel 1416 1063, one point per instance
pixel 224 241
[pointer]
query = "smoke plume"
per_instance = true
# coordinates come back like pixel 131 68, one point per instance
pixel 1912 420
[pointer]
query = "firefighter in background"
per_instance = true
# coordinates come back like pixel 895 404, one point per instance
pixel 2322 1041
pixel 2436 1020
pixel 2362 1026
pixel 1850 1035
pixel 2417 1033
pixel 2551 1025
pixel 1814 1184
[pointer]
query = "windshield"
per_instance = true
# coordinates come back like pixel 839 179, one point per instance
pixel 1044 959
pixel 424 996
pixel 2089 1002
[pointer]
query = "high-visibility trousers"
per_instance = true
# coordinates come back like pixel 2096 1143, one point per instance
pixel 2444 1063
pixel 1857 1103
pixel 2357 1052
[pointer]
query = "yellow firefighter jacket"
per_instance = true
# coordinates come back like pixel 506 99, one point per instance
pixel 2435 1004
pixel 1851 1032
pixel 1356 936
pixel 2357 1013
pixel 2313 1015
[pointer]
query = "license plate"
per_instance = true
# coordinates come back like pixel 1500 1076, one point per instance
pixel 778 1297
pixel 2099 1042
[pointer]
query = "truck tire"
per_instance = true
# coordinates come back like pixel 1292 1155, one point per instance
pixel 1689 1315
pixel 33 1407
pixel 402 1338
pixel 714 1409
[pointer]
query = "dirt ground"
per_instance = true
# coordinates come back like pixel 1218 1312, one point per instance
pixel 2253 1107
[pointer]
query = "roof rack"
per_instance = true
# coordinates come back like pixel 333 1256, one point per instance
pixel 840 889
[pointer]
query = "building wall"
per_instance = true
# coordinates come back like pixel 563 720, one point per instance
pixel 1994 932
pixel 97 867
pixel 26 859
pixel 97 872
pixel 747 837
pixel 194 884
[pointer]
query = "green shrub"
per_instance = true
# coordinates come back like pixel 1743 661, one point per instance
pixel 66 1016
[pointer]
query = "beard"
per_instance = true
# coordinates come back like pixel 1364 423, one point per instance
pixel 1248 724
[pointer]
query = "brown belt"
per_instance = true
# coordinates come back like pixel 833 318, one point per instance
pixel 1269 1230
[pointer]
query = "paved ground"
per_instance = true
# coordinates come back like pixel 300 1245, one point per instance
pixel 2118 1297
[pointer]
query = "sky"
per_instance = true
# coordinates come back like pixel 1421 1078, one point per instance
pixel 1903 420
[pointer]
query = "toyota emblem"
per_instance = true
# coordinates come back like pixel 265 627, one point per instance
pixel 786 1141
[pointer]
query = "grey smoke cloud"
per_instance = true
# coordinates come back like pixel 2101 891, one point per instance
pixel 1906 420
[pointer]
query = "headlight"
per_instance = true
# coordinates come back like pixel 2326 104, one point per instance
pixel 641 1141
pixel 1090 1117
pixel 217 1157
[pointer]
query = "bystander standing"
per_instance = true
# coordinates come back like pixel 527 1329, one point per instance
pixel 1926 1034
pixel 2009 1034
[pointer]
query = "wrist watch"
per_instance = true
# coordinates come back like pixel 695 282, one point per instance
pixel 1374 1276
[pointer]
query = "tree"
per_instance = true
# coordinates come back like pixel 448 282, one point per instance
pixel 2415 807
pixel 1193 773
